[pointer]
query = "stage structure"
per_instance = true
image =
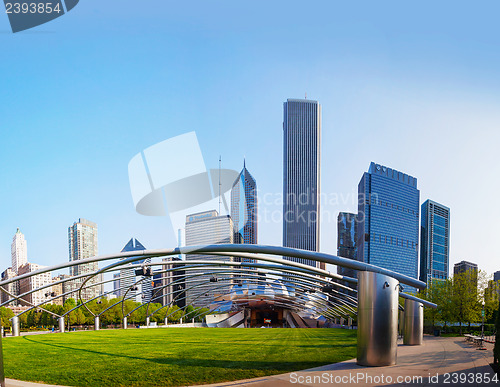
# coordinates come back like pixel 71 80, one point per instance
pixel 265 290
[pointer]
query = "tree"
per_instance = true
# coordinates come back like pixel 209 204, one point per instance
pixel 466 298
pixel 174 313
pixel 6 314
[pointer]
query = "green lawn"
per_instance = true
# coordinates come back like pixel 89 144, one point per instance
pixel 171 356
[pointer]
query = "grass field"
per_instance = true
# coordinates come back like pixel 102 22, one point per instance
pixel 171 356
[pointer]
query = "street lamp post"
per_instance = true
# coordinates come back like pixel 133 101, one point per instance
pixel 482 347
pixel 482 325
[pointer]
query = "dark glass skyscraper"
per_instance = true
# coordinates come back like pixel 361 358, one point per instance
pixel 301 175
pixel 244 207
pixel 388 212
pixel 434 242
pixel 346 242
pixel 244 210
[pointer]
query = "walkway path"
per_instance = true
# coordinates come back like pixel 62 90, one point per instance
pixel 438 362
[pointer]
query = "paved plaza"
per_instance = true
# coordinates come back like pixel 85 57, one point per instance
pixel 439 361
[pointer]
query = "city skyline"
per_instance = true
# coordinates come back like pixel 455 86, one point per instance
pixel 387 86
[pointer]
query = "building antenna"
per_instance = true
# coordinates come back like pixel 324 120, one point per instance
pixel 220 162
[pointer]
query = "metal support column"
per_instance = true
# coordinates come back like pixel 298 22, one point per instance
pixel 147 321
pixel 124 323
pixel 96 323
pixel 377 319
pixel 166 320
pixel 61 324
pixel 15 326
pixel 413 323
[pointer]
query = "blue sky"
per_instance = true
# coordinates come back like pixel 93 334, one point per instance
pixel 411 86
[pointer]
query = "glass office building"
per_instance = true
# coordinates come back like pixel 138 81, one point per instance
pixel 346 243
pixel 301 175
pixel 244 210
pixel 82 240
pixel 388 214
pixel 434 242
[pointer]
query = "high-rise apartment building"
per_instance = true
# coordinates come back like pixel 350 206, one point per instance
pixel 496 276
pixel 68 287
pixel 19 251
pixel 56 290
pixel 170 285
pixel 434 242
pixel 301 176
pixel 82 238
pixel 388 214
pixel 346 242
pixel 34 282
pixel 244 210
pixel 12 288
pixel 116 284
pixel 206 228
pixel 132 286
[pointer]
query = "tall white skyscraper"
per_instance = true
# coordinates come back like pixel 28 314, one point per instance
pixel 19 251
pixel 301 176
pixel 206 228
pixel 82 238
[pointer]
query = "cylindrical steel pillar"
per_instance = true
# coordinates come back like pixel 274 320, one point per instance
pixel 96 323
pixel 61 324
pixel 147 321
pixel 166 320
pixel 15 326
pixel 413 323
pixel 349 321
pixel 124 323
pixel 377 319
pixel 181 321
